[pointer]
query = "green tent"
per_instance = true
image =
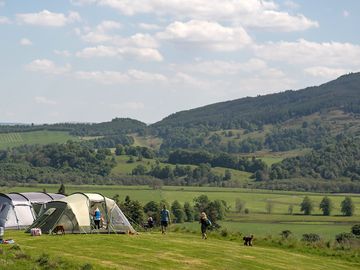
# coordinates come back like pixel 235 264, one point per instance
pixel 75 214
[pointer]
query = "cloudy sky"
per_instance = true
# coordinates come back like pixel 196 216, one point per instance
pixel 93 60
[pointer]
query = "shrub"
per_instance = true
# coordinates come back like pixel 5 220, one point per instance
pixel 15 247
pixel 311 237
pixel 87 266
pixel 356 230
pixel 285 234
pixel 343 237
pixel 247 211
pixel 224 232
pixel 21 255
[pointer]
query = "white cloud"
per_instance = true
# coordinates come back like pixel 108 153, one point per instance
pixel 115 77
pixel 311 53
pixel 254 13
pixel 64 53
pixel 25 42
pixel 219 68
pixel 82 2
pixel 325 72
pixel 47 18
pixel 4 20
pixel 207 34
pixel 106 26
pixel 279 21
pixel 291 4
pixel 132 105
pixel 143 54
pixel 44 100
pixel 149 26
pixel 346 13
pixel 48 67
pixel 2 3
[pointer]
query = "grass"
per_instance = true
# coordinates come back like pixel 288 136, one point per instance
pixel 156 251
pixel 8 140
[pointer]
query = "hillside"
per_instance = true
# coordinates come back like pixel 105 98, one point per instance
pixel 342 93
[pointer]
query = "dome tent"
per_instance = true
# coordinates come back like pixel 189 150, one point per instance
pixel 75 214
pixel 19 210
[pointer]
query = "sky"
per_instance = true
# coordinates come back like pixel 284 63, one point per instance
pixel 94 60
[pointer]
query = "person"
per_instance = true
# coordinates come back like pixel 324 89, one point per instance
pixel 97 218
pixel 205 222
pixel 164 219
pixel 150 222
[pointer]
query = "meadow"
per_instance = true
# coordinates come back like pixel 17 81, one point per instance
pixel 8 140
pixel 258 221
pixel 151 250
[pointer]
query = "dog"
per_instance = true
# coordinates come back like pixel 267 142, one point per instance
pixel 248 240
pixel 59 229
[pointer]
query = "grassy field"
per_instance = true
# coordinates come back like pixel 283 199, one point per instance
pixel 34 137
pixel 257 221
pixel 154 251
pixel 123 167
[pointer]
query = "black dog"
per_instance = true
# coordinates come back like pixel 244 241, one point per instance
pixel 248 240
pixel 59 229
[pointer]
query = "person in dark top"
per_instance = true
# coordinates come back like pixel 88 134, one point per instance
pixel 205 222
pixel 164 219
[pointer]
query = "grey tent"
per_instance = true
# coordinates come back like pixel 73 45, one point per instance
pixel 19 210
pixel 75 214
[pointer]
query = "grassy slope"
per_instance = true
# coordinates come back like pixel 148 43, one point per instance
pixel 123 167
pixel 172 251
pixel 35 137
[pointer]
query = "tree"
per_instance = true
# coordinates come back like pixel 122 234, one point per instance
pixel 178 211
pixel 133 210
pixel 62 189
pixel 139 170
pixel 348 207
pixel 189 212
pixel 152 209
pixel 326 206
pixel 307 206
pixel 269 206
pixel 239 205
pixel 119 150
pixel 227 175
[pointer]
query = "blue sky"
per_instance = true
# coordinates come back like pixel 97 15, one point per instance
pixel 94 60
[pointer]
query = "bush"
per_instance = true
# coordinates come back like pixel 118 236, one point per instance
pixel 344 237
pixel 311 237
pixel 87 266
pixel 247 211
pixel 285 234
pixel 224 232
pixel 356 230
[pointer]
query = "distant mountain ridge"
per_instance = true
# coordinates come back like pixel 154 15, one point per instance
pixel 342 93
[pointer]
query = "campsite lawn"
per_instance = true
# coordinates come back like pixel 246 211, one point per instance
pixel 156 251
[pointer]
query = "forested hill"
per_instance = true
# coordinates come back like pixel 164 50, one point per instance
pixel 114 127
pixel 342 93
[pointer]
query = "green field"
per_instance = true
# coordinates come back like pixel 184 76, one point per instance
pixel 257 221
pixel 34 137
pixel 154 251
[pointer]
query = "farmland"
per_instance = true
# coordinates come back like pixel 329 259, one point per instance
pixel 34 137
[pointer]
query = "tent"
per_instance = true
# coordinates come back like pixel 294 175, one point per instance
pixel 19 210
pixel 75 214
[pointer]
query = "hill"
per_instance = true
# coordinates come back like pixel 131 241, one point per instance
pixel 342 93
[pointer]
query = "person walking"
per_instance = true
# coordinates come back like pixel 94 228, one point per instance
pixel 205 223
pixel 164 219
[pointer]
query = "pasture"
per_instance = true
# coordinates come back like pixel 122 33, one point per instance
pixel 154 251
pixel 258 221
pixel 8 140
